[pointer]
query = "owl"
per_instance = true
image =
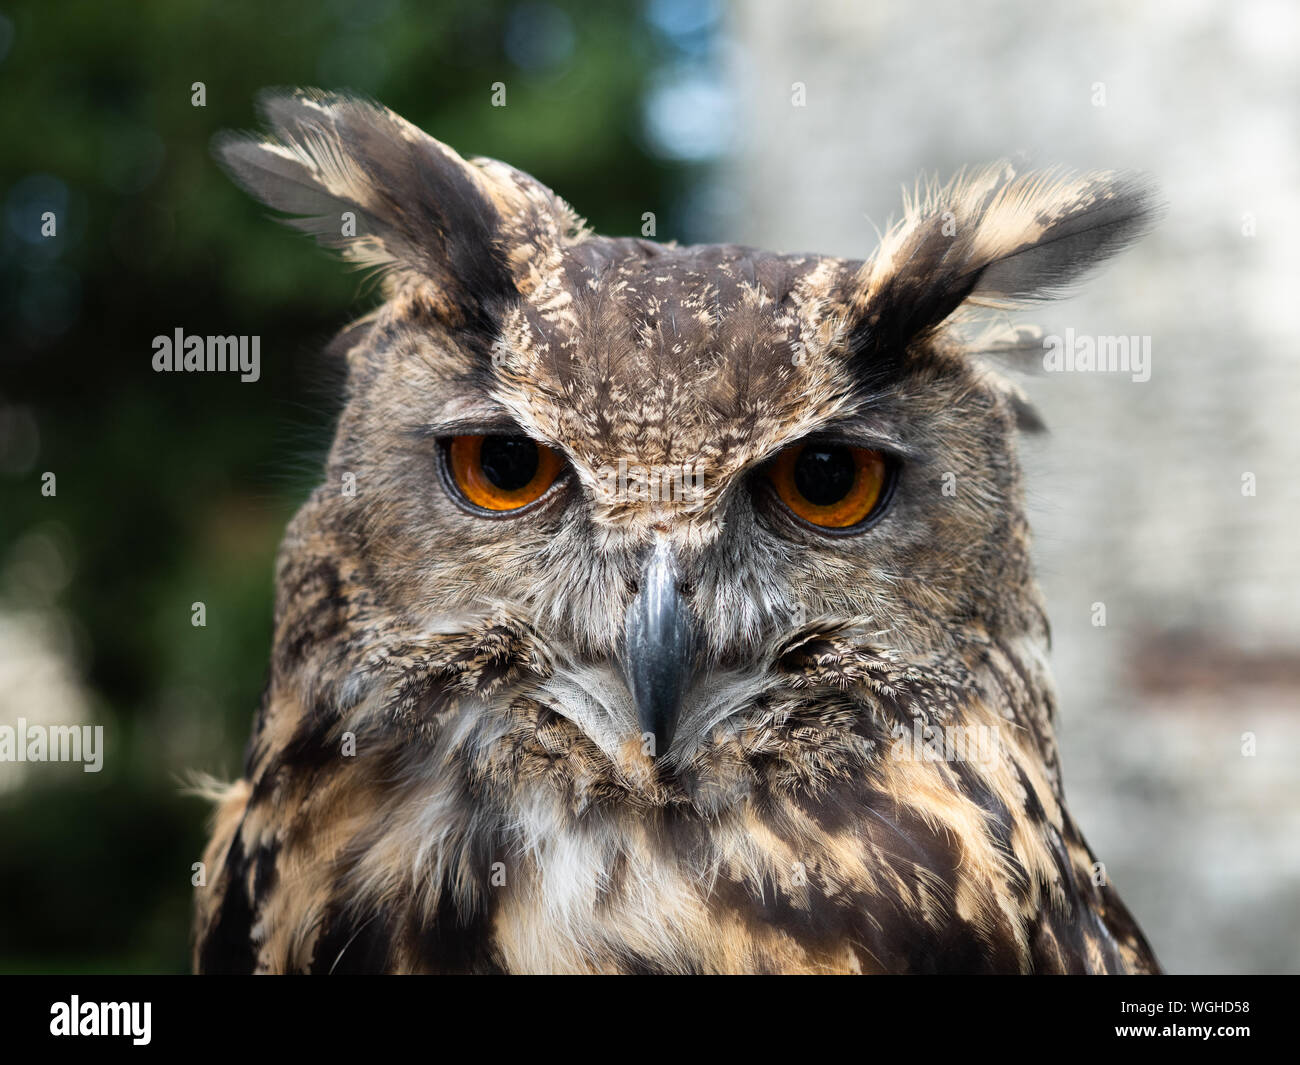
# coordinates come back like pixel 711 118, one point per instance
pixel 662 609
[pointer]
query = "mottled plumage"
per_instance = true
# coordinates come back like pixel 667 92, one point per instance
pixel 502 810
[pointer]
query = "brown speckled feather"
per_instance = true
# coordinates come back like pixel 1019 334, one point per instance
pixel 447 773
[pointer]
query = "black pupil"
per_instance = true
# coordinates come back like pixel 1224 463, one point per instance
pixel 509 462
pixel 824 475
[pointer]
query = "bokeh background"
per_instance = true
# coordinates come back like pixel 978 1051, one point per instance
pixel 787 125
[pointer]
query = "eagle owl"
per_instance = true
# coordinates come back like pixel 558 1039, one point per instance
pixel 662 609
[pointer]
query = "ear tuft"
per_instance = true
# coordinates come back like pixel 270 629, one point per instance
pixel 998 239
pixel 386 195
pixel 1042 233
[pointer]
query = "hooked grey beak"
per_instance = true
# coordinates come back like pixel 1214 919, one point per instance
pixel 659 647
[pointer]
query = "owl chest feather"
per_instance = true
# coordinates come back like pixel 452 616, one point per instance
pixel 843 881
pixel 862 875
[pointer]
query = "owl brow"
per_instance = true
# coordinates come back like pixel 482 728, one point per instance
pixel 870 432
pixel 485 425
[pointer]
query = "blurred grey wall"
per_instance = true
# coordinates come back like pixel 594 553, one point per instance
pixel 1137 493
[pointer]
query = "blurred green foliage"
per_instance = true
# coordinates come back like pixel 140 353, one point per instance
pixel 174 489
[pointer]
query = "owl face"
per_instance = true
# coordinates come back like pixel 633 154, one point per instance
pixel 674 482
pixel 671 471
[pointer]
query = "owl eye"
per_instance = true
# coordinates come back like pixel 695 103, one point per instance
pixel 833 486
pixel 501 473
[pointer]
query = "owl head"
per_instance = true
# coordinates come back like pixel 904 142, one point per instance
pixel 658 503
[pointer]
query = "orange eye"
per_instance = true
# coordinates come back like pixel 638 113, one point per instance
pixel 831 485
pixel 502 472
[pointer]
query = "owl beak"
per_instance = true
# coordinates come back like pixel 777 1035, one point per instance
pixel 659 646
